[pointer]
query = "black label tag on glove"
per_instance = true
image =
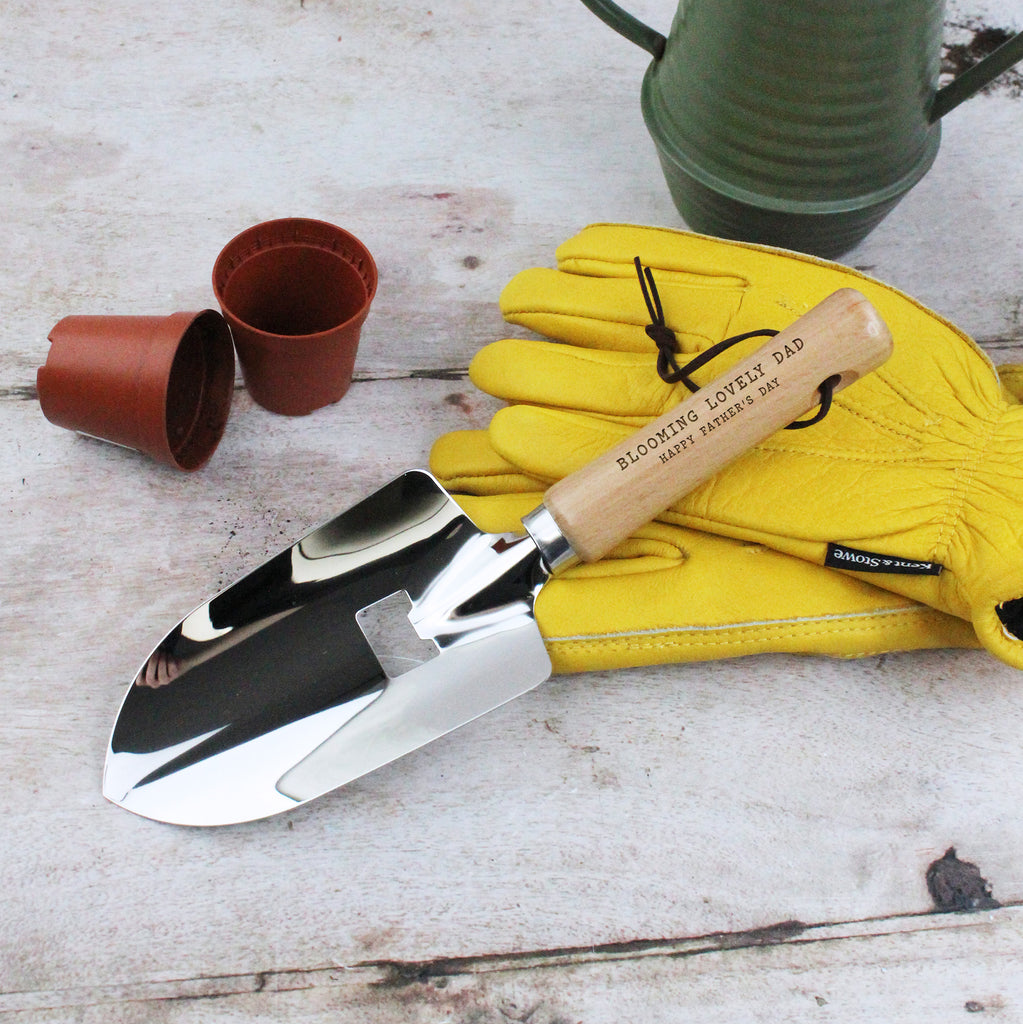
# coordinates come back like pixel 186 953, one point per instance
pixel 841 557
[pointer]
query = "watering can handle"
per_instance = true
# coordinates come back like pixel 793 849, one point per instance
pixel 973 78
pixel 632 28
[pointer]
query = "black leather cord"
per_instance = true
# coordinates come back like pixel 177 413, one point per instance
pixel 668 368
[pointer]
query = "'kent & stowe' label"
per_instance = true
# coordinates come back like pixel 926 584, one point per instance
pixel 841 557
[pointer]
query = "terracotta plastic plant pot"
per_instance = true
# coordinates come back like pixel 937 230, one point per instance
pixel 296 293
pixel 159 384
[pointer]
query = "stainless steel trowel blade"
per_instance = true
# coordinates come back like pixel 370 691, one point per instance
pixel 376 633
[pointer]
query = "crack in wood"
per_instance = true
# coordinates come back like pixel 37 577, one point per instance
pixel 20 393
pixel 399 974
pixel 1002 342
pixel 402 974
pixel 448 373
pixel 28 392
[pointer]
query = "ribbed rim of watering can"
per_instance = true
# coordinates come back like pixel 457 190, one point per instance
pixel 775 203
pixel 829 235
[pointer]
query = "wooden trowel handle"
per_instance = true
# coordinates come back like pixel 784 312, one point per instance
pixel 608 499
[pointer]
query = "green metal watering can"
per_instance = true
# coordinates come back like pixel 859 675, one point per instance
pixel 797 123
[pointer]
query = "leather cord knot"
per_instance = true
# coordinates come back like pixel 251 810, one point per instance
pixel 657 330
pixel 668 368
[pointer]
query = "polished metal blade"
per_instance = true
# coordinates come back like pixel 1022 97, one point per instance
pixel 391 625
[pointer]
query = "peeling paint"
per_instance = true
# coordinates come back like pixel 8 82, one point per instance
pixel 978 41
pixel 956 885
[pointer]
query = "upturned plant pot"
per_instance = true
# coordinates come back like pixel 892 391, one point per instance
pixel 296 293
pixel 161 385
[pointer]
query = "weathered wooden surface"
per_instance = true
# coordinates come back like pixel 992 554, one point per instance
pixel 610 847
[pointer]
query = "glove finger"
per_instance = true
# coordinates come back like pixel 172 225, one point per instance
pixel 598 302
pixel 653 547
pixel 465 461
pixel 608 383
pixel 497 484
pixel 622 386
pixel 501 513
pixel 608 250
pixel 496 496
pixel 767 278
pixel 774 286
pixel 605 313
pixel 548 444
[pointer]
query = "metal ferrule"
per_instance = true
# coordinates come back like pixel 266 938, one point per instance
pixel 554 548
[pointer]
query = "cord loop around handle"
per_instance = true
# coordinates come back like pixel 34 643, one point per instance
pixel 668 368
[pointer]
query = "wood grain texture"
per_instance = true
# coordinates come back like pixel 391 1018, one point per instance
pixel 610 847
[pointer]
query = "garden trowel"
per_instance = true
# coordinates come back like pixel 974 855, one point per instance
pixel 399 620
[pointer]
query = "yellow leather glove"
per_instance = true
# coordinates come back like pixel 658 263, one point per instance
pixel 918 467
pixel 672 594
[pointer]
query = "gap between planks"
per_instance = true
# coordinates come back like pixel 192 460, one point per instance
pixel 391 974
pixel 28 392
pixel 1003 345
